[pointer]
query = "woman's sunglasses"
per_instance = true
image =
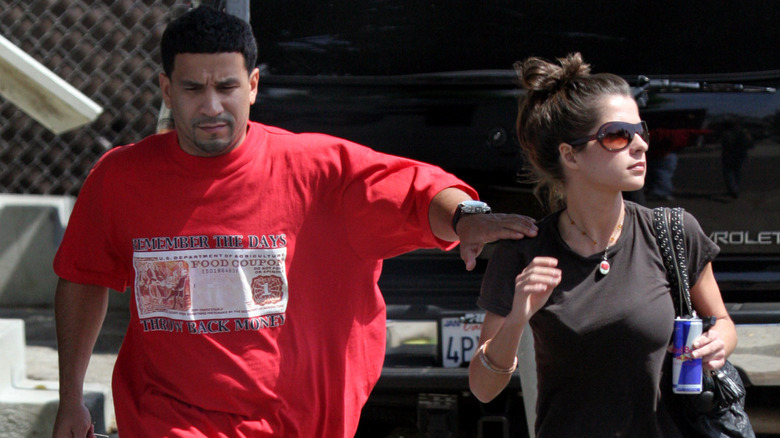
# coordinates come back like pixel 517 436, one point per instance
pixel 616 136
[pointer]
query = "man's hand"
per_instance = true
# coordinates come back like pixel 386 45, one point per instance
pixel 73 420
pixel 476 230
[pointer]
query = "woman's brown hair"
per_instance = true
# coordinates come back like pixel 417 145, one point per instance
pixel 562 102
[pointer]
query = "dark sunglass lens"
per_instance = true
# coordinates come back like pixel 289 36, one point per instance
pixel 616 138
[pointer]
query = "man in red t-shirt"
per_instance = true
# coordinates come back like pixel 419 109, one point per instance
pixel 252 255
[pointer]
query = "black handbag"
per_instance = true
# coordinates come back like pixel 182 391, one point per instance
pixel 719 411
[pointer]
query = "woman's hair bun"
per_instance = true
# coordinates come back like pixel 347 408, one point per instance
pixel 537 74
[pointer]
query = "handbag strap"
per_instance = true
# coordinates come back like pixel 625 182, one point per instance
pixel 670 235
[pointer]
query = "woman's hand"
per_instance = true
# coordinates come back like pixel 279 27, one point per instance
pixel 534 285
pixel 721 340
pixel 711 349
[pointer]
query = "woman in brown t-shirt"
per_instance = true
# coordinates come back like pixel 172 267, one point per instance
pixel 592 284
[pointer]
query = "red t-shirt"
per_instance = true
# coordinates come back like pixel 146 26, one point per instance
pixel 255 308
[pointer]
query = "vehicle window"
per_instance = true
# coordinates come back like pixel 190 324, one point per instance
pixel 398 37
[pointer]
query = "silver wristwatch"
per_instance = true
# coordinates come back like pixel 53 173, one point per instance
pixel 468 207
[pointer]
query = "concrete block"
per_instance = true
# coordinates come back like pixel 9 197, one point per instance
pixel 12 344
pixel 31 229
pixel 28 407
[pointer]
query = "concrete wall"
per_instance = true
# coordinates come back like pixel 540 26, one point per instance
pixel 31 228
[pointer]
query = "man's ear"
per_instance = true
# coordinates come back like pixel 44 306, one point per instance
pixel 165 87
pixel 568 156
pixel 254 79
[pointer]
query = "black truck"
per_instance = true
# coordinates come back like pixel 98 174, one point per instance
pixel 433 80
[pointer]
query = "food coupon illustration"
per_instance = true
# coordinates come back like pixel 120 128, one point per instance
pixel 211 283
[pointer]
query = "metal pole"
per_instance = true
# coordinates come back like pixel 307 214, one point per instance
pixel 239 8
pixel 528 381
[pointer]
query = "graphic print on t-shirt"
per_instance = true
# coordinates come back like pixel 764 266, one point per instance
pixel 208 284
pixel 162 284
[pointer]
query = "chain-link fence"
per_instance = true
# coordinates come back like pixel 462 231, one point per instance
pixel 108 50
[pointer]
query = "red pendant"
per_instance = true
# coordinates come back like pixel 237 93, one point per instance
pixel 604 267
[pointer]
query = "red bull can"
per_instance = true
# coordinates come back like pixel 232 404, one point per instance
pixel 686 371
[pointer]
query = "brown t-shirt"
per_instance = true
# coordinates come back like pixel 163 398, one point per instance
pixel 600 340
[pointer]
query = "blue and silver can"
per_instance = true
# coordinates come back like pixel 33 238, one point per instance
pixel 686 371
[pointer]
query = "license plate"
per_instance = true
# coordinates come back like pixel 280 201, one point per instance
pixel 460 338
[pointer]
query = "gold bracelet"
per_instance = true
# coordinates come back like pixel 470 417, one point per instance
pixel 482 354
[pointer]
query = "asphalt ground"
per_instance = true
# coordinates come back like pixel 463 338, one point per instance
pixel 758 355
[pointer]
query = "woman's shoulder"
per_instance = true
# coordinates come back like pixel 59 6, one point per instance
pixel 645 214
pixel 639 210
pixel 548 232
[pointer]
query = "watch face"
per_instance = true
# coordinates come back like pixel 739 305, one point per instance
pixel 474 207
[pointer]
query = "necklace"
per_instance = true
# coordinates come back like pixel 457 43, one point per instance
pixel 604 265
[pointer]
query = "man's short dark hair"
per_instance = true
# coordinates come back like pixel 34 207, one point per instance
pixel 206 30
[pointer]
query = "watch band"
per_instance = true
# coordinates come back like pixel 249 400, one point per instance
pixel 456 218
pixel 468 207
